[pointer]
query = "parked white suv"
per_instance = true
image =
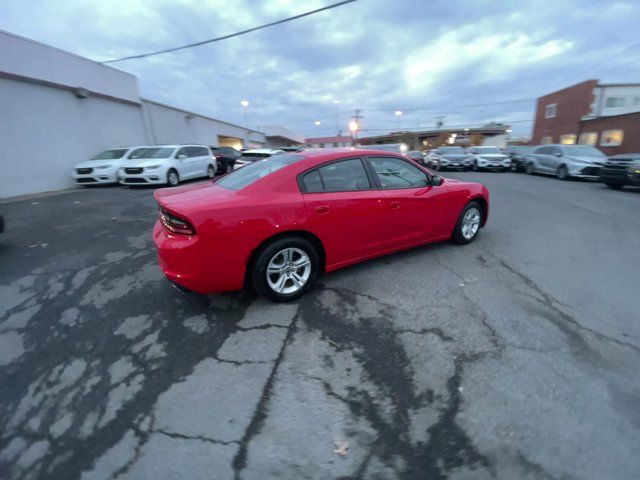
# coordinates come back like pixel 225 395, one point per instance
pixel 103 168
pixel 250 156
pixel 489 157
pixel 167 164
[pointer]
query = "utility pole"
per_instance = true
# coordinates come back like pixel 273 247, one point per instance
pixel 440 121
pixel 354 126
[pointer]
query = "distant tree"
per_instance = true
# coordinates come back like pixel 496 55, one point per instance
pixel 476 139
pixel 442 139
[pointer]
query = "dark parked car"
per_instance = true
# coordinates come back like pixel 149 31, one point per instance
pixel 1 224
pixel 621 170
pixel 517 155
pixel 226 157
pixel 416 155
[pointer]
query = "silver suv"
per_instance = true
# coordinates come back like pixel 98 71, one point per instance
pixel 565 161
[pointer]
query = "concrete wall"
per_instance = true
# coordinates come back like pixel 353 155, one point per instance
pixel 172 125
pixel 44 131
pixel 26 58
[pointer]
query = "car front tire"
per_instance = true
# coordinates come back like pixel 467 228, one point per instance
pixel 468 224
pixel 562 173
pixel 211 171
pixel 614 186
pixel 173 179
pixel 285 269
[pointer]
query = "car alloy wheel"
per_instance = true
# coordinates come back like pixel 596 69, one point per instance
pixel 285 268
pixel 211 172
pixel 562 173
pixel 172 178
pixel 470 223
pixel 288 271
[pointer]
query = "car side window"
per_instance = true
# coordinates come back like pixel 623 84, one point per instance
pixel 555 151
pixel 342 176
pixel 312 183
pixel 182 151
pixel 395 173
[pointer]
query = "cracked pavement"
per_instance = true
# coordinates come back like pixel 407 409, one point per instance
pixel 513 357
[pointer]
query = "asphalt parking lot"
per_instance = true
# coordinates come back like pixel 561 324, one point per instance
pixel 514 357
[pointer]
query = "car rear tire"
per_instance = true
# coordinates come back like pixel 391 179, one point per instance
pixel 474 166
pixel 285 269
pixel 529 169
pixel 468 224
pixel 562 173
pixel 614 186
pixel 173 179
pixel 211 171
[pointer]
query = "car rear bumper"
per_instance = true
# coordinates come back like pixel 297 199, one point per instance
pixel 192 264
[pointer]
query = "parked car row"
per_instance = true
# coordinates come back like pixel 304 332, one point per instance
pixel 562 161
pixel 163 164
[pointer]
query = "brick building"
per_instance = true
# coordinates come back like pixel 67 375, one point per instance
pixel 606 116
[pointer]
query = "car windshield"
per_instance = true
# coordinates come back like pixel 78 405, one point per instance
pixel 151 153
pixel 111 154
pixel 488 150
pixel 452 150
pixel 582 151
pixel 245 176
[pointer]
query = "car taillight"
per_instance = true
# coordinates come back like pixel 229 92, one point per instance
pixel 175 224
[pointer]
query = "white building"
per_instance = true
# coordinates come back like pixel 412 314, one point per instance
pixel 615 99
pixel 58 109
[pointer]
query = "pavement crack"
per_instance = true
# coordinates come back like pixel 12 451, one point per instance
pixel 438 332
pixel 194 437
pixel 563 317
pixel 262 409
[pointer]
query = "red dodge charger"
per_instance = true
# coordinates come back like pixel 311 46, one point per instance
pixel 278 223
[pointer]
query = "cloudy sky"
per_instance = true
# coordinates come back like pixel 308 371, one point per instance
pixel 472 61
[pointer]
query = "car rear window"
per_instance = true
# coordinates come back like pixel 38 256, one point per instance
pixel 253 172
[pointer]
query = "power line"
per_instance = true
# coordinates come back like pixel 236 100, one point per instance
pixel 225 37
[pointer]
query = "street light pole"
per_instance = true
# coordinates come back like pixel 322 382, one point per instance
pixel 335 113
pixel 245 105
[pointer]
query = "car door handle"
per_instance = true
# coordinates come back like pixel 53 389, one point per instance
pixel 395 205
pixel 321 209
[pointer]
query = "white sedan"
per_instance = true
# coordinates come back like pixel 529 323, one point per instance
pixel 103 168
pixel 167 164
pixel 250 156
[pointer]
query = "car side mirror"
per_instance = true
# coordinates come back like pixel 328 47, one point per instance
pixel 437 180
pixel 181 156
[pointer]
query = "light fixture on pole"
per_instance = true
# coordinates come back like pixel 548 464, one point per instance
pixel 398 114
pixel 317 123
pixel 245 105
pixel 335 112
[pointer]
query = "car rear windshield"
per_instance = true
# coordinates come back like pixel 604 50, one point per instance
pixel 452 150
pixel 151 153
pixel 111 154
pixel 582 151
pixel 253 172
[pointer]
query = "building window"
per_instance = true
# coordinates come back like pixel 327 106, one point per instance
pixel 546 140
pixel 588 138
pixel 568 139
pixel 611 138
pixel 550 110
pixel 615 102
